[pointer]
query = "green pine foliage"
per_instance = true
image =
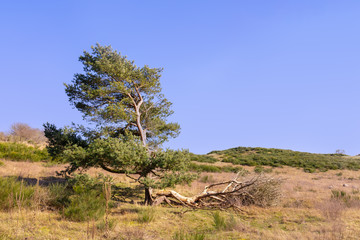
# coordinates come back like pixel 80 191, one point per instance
pixel 280 157
pixel 22 152
pixel 129 111
pixel 130 157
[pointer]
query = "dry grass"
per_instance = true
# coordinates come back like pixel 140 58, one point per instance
pixel 306 211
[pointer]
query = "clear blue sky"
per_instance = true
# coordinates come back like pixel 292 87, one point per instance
pixel 281 74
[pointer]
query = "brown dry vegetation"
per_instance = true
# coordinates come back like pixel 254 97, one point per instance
pixel 306 211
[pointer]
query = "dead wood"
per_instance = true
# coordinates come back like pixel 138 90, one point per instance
pixel 259 190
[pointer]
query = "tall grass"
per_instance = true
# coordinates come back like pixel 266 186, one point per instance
pixel 220 222
pixel 146 214
pixel 15 194
pixel 181 235
pixel 22 152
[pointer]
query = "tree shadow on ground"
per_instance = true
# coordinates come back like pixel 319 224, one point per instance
pixel 43 181
pixel 127 194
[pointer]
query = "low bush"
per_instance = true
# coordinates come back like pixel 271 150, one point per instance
pixel 221 222
pixel 22 152
pixel 146 215
pixel 15 193
pixel 181 235
pixel 202 158
pixel 85 205
pixel 206 179
pixel 81 198
pixel 261 169
pixel 101 226
pixel 212 168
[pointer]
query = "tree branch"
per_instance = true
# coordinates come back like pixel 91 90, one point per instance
pixel 102 165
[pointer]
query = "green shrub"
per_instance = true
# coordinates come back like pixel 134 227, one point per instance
pixel 222 223
pixel 1 163
pixel 86 199
pixel 259 169
pixel 59 195
pixel 101 226
pixel 202 158
pixel 146 215
pixel 14 193
pixel 206 179
pixel 212 168
pixel 181 235
pixel 80 199
pixel 219 221
pixel 203 168
pixel 86 205
pixel 340 195
pixel 22 152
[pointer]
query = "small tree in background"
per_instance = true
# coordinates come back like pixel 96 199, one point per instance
pixel 129 112
pixel 340 151
pixel 3 136
pixel 22 132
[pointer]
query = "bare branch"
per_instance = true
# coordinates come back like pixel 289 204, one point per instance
pixel 259 190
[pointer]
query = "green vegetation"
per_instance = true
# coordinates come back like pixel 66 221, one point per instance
pixel 15 193
pixel 126 104
pixel 280 157
pixel 181 235
pixel 220 222
pixel 146 215
pixel 212 168
pixel 81 198
pixel 22 152
pixel 261 169
pixel 202 158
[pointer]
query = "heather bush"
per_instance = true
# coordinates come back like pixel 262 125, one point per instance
pixel 15 193
pixel 22 152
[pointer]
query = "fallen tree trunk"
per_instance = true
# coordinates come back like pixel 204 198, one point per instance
pixel 259 190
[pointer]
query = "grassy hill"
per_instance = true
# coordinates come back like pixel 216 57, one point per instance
pixel 279 157
pixel 248 156
pixel 35 203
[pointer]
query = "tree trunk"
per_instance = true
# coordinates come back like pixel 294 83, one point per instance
pixel 148 196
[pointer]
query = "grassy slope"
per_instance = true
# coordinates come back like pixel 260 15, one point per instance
pixel 238 156
pixel 305 212
pixel 280 157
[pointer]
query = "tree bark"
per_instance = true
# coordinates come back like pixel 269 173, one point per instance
pixel 234 195
pixel 148 196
